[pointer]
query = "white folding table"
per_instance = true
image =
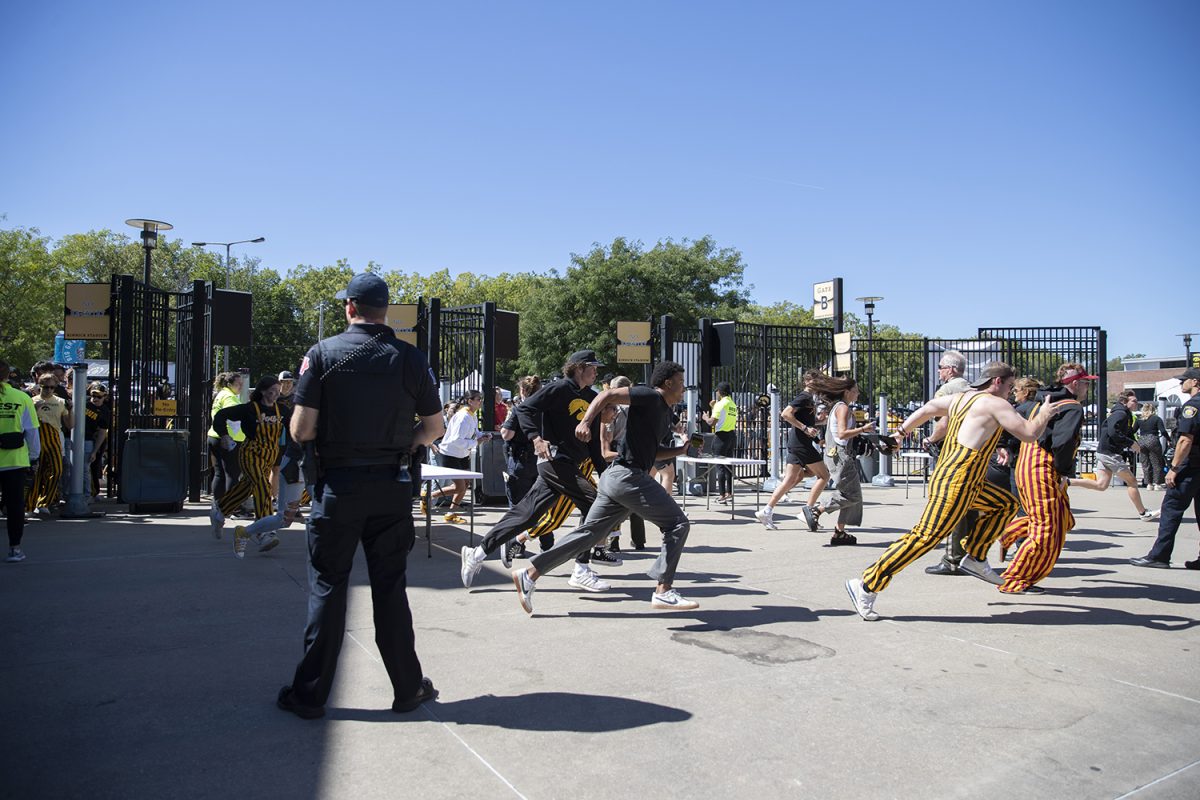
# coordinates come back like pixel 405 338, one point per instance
pixel 431 473
pixel 709 462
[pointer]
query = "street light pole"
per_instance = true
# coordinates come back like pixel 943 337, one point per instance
pixel 1187 349
pixel 228 246
pixel 869 306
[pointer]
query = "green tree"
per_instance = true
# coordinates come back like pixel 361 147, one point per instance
pixel 625 281
pixel 32 310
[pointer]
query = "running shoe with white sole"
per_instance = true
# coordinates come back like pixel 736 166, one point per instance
pixel 605 556
pixel 1150 516
pixel 672 600
pixel 268 541
pixel 980 569
pixel 864 601
pixel 767 520
pixel 525 589
pixel 14 555
pixel 470 566
pixel 240 540
pixel 217 520
pixel 584 578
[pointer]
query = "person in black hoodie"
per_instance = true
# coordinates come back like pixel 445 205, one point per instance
pixel 548 419
pixel 1044 469
pixel 1116 435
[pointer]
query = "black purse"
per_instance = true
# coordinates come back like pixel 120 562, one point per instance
pixel 12 441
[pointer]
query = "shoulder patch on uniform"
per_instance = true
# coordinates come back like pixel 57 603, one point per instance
pixel 1189 412
pixel 304 365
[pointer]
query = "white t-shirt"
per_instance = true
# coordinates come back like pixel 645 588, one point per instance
pixel 460 436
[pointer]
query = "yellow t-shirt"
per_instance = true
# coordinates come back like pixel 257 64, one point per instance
pixel 50 412
pixel 729 421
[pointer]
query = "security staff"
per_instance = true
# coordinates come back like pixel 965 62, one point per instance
pixel 19 451
pixel 723 421
pixel 361 490
pixel 1183 478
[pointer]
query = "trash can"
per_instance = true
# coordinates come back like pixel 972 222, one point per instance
pixel 491 461
pixel 154 470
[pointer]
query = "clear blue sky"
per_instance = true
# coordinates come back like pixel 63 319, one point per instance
pixel 976 163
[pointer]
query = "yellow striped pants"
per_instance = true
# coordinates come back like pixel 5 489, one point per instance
pixel 1044 528
pixel 951 496
pixel 44 492
pixel 553 519
pixel 257 464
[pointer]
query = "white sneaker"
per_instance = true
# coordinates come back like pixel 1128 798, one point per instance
pixel 470 566
pixel 584 578
pixel 525 589
pixel 980 569
pixel 672 600
pixel 218 522
pixel 14 555
pixel 267 541
pixel 864 601
pixel 1150 516
pixel 240 540
pixel 766 519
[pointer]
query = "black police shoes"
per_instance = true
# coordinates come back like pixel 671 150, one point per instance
pixel 426 692
pixel 1146 561
pixel 1192 564
pixel 287 701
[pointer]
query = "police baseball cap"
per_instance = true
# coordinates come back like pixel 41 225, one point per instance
pixel 287 375
pixel 1190 372
pixel 368 289
pixel 587 357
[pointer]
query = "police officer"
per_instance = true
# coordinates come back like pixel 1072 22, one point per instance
pixel 361 491
pixel 20 446
pixel 1183 478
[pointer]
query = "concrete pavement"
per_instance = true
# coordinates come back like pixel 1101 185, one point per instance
pixel 142 660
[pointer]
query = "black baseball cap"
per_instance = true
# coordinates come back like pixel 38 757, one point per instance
pixel 287 375
pixel 587 357
pixel 1190 372
pixel 368 289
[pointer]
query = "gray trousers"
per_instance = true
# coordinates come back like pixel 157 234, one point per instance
pixel 621 492
pixel 847 498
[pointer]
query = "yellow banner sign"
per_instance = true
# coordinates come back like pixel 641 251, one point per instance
pixel 403 319
pixel 87 310
pixel 633 343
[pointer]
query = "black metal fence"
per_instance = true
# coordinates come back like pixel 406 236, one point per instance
pixel 152 330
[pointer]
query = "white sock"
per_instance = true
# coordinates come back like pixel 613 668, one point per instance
pixel 479 554
pixel 768 510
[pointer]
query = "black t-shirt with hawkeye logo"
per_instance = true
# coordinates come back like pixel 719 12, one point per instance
pixel 552 412
pixel 95 418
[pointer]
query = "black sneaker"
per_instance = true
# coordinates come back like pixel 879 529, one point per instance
pixel 605 556
pixel 1192 564
pixel 614 545
pixel 506 553
pixel 519 550
pixel 287 701
pixel 424 694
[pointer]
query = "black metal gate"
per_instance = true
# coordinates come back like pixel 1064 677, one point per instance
pixel 462 351
pixel 152 332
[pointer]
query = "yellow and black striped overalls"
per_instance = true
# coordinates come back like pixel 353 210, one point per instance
pixel 257 457
pixel 553 519
pixel 1047 519
pixel 44 491
pixel 956 487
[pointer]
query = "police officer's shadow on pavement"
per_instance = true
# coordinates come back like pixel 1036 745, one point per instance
pixel 536 711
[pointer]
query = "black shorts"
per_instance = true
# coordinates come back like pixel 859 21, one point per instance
pixel 670 462
pixel 805 453
pixel 450 462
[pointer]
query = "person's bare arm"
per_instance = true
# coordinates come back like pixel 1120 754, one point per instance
pixel 507 434
pixel 937 407
pixel 304 424
pixel 427 430
pixel 583 431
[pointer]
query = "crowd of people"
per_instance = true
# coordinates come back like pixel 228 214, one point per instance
pixel 1004 453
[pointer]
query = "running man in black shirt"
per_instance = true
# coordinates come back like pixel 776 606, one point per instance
pixel 626 487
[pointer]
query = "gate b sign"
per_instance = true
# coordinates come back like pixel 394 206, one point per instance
pixel 825 299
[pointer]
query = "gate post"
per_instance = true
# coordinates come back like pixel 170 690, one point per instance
pixel 884 476
pixel 489 366
pixel 706 359
pixel 434 340
pixel 200 358
pixel 123 402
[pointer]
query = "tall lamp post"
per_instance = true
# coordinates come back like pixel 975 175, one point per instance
pixel 1187 349
pixel 149 229
pixel 869 307
pixel 227 246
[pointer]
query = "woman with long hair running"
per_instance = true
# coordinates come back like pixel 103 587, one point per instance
pixel 802 457
pixel 840 459
pixel 265 423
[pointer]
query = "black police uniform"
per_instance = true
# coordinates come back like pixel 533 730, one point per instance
pixel 1186 490
pixel 362 491
pixel 521 461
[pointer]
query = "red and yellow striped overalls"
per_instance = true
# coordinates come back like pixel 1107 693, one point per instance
pixel 1048 519
pixel 257 457
pixel 956 487
pixel 44 491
